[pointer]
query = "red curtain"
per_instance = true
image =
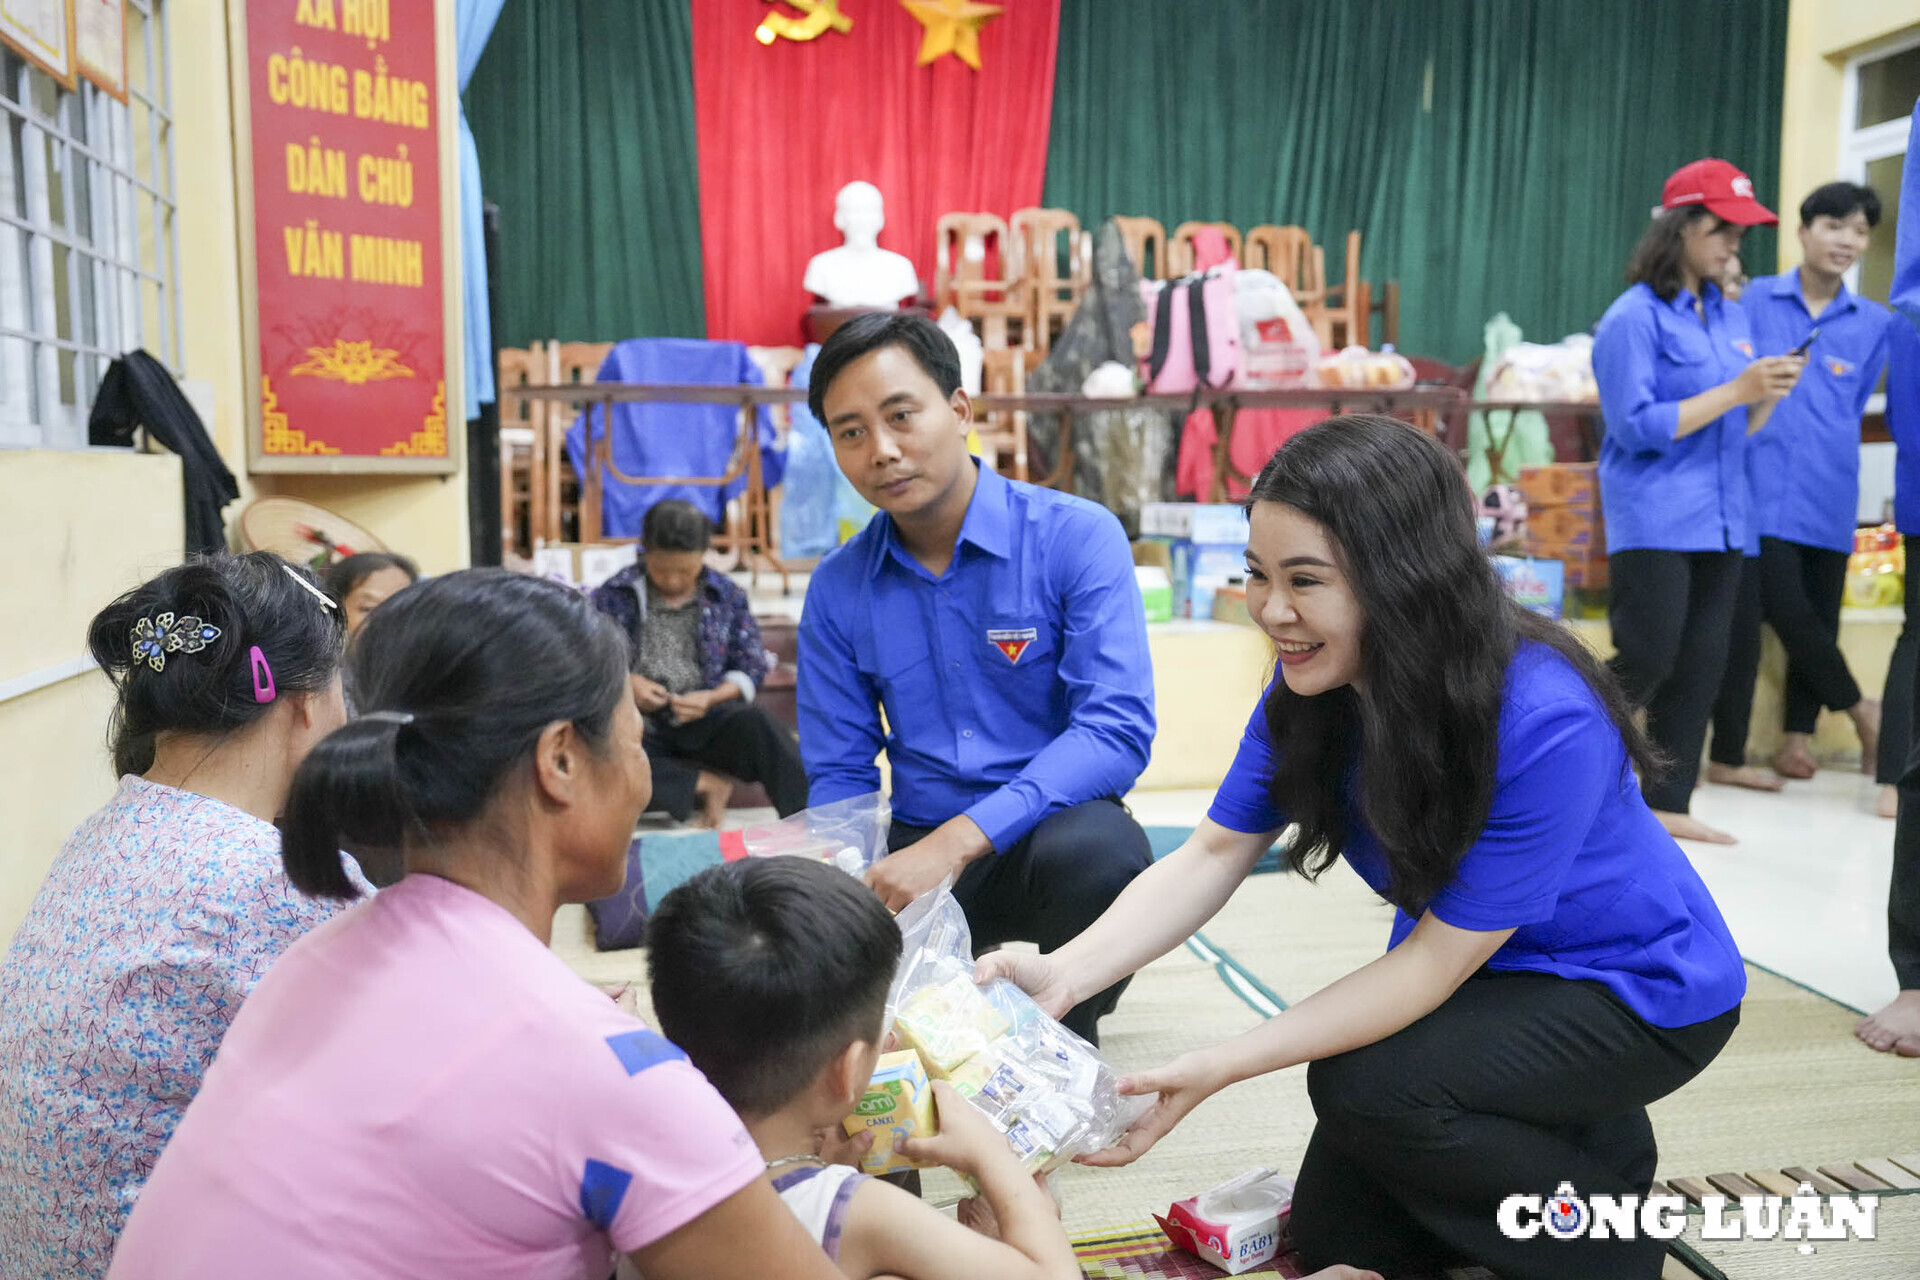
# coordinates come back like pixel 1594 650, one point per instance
pixel 782 127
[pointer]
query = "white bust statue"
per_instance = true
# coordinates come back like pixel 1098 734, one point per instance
pixel 860 273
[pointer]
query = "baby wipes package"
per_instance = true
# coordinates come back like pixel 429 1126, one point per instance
pixel 1237 1225
pixel 898 1104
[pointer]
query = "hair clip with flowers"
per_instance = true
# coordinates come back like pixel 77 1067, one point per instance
pixel 157 636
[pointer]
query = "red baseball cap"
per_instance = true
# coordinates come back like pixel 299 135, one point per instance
pixel 1724 190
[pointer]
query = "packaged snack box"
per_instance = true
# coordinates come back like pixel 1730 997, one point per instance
pixel 949 1023
pixel 898 1104
pixel 1236 1226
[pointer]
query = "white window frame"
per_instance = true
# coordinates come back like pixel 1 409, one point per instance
pixel 121 294
pixel 1861 147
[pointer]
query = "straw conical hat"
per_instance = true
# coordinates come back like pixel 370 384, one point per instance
pixel 302 532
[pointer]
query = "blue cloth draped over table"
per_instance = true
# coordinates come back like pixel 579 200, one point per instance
pixel 669 439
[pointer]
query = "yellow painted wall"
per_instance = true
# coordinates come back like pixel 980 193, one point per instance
pixel 1821 36
pixel 74 557
pixel 1207 677
pixel 82 526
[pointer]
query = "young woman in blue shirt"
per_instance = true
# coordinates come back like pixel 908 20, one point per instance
pixel 1681 391
pixel 1555 963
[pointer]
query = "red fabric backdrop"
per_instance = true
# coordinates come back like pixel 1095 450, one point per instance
pixel 782 127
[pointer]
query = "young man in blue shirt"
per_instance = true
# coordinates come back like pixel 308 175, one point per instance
pixel 999 628
pixel 1806 474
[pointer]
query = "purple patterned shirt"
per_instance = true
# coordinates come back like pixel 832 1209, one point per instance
pixel 157 918
pixel 730 639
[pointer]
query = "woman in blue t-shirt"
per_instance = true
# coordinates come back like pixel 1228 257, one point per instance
pixel 1555 964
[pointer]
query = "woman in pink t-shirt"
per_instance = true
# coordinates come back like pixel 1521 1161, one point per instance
pixel 420 1087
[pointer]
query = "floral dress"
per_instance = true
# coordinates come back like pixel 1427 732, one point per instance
pixel 157 918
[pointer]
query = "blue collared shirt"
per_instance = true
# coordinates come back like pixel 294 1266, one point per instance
pixel 1806 460
pixel 1661 493
pixel 1905 294
pixel 1903 421
pixel 1015 684
pixel 1571 859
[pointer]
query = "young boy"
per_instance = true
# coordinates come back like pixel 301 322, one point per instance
pixel 772 975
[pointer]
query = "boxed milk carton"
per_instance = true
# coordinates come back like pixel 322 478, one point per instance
pixel 898 1104
pixel 1237 1225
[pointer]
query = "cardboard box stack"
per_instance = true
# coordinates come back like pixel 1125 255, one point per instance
pixel 1564 521
pixel 1206 549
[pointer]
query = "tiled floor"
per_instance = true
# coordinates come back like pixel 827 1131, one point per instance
pixel 1805 890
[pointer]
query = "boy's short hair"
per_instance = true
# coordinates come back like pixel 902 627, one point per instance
pixel 763 970
pixel 1841 200
pixel 918 336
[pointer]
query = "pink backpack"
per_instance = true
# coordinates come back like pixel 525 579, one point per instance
pixel 1196 325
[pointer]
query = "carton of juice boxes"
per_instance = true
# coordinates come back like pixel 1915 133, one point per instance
pixel 898 1104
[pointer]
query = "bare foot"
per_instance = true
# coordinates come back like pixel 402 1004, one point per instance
pixel 1684 826
pixel 1866 722
pixel 1794 759
pixel 710 794
pixel 1895 1028
pixel 1744 776
pixel 1888 803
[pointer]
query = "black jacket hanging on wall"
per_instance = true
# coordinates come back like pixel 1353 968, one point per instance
pixel 139 392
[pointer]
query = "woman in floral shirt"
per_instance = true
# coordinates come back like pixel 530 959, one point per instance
pixel 165 907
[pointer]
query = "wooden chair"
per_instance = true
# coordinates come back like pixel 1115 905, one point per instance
pixel 569 362
pixel 1144 236
pixel 522 449
pixel 1301 265
pixel 1051 295
pixel 980 272
pixel 1180 245
pixel 1349 303
pixel 1004 372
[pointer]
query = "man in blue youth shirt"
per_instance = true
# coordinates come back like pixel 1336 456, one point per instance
pixel 999 628
pixel 1806 470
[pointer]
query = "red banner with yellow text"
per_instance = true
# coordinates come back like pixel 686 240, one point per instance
pixel 346 223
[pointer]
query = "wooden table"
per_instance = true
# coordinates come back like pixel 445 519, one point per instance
pixel 754 543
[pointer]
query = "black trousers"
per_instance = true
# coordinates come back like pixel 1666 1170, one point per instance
pixel 1733 709
pixel 1519 1082
pixel 1800 590
pixel 1897 703
pixel 1903 892
pixel 1052 884
pixel 736 738
pixel 1671 613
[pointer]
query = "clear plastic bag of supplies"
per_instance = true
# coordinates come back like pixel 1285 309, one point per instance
pixel 851 834
pixel 1046 1089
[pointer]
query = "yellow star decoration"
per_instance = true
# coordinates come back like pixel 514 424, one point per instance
pixel 953 26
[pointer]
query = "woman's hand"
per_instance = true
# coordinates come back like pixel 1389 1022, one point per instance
pixel 1769 378
pixel 1182 1084
pixel 1041 977
pixel 648 695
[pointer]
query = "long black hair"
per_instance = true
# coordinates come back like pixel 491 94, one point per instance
pixel 253 601
pixel 1413 746
pixel 456 678
pixel 1659 258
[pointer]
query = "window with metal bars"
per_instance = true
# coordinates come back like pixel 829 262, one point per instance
pixel 88 255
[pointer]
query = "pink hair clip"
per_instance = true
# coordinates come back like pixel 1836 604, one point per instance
pixel 263 690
